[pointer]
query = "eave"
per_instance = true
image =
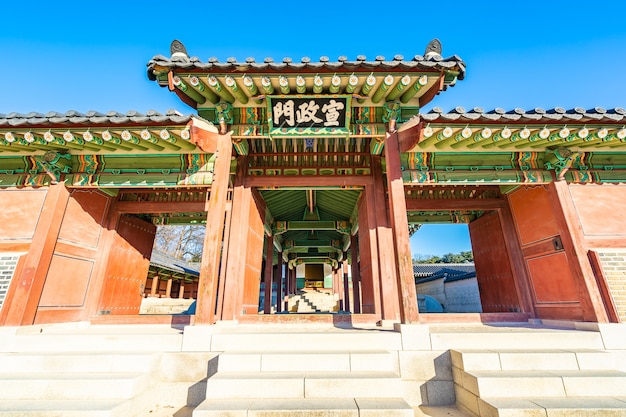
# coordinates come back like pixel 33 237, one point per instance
pixel 412 82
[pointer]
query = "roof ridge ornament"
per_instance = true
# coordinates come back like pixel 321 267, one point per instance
pixel 433 49
pixel 178 49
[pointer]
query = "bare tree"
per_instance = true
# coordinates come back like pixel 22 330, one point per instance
pixel 181 242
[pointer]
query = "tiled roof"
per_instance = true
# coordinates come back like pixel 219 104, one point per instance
pixel 91 118
pixel 428 62
pixel 537 115
pixel 165 261
pixel 423 270
pixel 449 272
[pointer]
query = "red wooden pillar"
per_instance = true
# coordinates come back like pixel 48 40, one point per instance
pixel 168 288
pixel 287 286
pixel 211 253
pixel 28 282
pixel 346 286
pixel 222 278
pixel 399 224
pixel 269 260
pixel 356 276
pixel 293 288
pixel 368 250
pixel 340 287
pixel 279 283
pixel 237 238
pixel 155 285
pixel 390 300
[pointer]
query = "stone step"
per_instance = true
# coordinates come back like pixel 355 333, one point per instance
pixel 536 360
pixel 76 362
pixel 515 338
pixel 237 385
pixel 306 341
pixel 71 386
pixel 596 383
pixel 98 338
pixel 64 408
pixel 305 407
pixel 367 360
pixel 553 407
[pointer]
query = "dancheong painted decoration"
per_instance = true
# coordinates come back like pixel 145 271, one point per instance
pixel 309 174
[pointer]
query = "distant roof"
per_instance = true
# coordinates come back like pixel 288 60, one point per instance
pixel 517 115
pixel 448 272
pixel 165 261
pixel 424 270
pixel 92 118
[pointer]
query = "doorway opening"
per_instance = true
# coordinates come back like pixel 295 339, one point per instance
pixel 462 260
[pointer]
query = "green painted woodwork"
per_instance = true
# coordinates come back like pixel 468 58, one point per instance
pixel 192 93
pixel 353 82
pixel 203 89
pixel 283 84
pixel 241 147
pixel 220 90
pixel 382 89
pixel 413 90
pixel 236 90
pixel 335 84
pixel 475 177
pixel 300 84
pixel 399 88
pixel 376 146
pixel 318 84
pixel 367 87
pixel 266 84
pixel 443 216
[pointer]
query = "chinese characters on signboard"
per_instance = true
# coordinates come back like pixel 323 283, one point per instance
pixel 309 112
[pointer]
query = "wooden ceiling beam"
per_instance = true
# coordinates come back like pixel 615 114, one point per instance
pixel 454 204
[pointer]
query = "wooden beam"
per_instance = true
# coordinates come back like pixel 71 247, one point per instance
pixel 204 135
pixel 454 204
pixel 409 137
pixel 307 181
pixel 153 207
pixel 432 92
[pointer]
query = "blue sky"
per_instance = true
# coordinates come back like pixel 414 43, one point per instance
pixel 529 54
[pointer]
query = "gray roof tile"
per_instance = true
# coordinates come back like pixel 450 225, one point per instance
pixel 92 118
pixel 537 115
pixel 431 62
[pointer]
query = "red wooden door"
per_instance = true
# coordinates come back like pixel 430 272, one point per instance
pixel 127 268
pixel 493 265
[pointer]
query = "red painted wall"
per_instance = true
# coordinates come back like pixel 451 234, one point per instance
pixel 599 209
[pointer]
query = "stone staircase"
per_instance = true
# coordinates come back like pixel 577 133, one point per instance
pixel 313 301
pixel 306 374
pixel 540 374
pixel 70 371
pixel 312 369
